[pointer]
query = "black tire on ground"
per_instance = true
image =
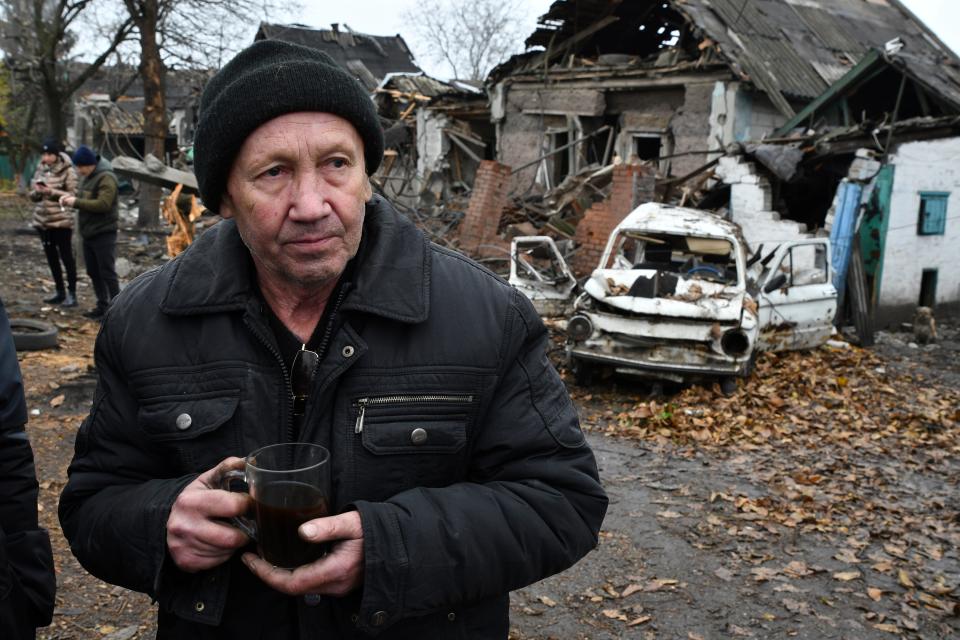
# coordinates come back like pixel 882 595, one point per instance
pixel 32 335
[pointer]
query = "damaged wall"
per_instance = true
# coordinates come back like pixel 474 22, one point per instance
pixel 691 128
pixel 739 114
pixel 921 167
pixel 751 204
pixel 487 202
pixel 632 185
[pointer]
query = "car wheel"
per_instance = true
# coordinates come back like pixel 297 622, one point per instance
pixel 32 335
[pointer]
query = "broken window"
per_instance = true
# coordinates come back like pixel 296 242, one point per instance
pixel 932 220
pixel 557 165
pixel 805 264
pixel 686 256
pixel 646 146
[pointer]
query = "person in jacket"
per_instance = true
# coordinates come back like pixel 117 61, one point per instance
pixel 97 221
pixel 27 580
pixel 459 470
pixel 54 178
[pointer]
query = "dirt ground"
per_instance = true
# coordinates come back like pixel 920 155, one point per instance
pixel 819 501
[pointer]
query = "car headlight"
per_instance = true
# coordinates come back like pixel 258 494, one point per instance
pixel 735 343
pixel 579 328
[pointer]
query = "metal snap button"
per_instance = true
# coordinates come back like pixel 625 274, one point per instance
pixel 199 606
pixel 378 618
pixel 418 435
pixel 451 616
pixel 184 421
pixel 347 351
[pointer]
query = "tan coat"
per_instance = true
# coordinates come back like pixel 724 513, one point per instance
pixel 62 178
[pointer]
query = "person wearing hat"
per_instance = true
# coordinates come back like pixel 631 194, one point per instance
pixel 54 178
pixel 315 312
pixel 97 216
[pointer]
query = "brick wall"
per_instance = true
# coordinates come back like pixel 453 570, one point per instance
pixel 487 202
pixel 632 185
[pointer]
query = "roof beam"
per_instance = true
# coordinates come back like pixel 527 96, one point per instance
pixel 870 65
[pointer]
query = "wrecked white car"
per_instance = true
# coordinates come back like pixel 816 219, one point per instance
pixel 676 298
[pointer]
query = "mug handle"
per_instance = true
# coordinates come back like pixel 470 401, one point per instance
pixel 235 480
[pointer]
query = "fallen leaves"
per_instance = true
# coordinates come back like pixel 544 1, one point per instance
pixel 904 579
pixel 847 576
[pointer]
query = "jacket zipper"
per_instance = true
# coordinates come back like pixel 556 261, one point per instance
pixel 288 431
pixel 363 403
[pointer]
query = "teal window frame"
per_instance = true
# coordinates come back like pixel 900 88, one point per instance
pixel 932 216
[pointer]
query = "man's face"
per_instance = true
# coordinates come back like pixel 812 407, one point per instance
pixel 48 158
pixel 85 169
pixel 297 190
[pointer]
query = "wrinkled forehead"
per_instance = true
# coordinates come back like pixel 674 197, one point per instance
pixel 312 131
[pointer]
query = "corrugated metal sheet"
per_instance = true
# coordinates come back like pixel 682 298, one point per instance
pixel 796 49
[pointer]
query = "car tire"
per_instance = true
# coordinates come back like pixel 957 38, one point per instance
pixel 32 335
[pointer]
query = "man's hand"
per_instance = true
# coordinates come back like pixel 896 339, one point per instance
pixel 196 537
pixel 336 574
pixel 67 201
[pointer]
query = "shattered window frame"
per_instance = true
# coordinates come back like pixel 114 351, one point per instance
pixel 801 272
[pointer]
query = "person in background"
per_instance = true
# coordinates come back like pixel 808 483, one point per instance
pixel 97 217
pixel 27 579
pixel 316 312
pixel 54 178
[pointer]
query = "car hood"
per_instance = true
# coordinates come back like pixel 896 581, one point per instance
pixel 678 297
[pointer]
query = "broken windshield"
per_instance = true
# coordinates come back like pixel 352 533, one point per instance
pixel 690 257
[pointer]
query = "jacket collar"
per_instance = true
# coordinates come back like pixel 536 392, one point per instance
pixel 391 278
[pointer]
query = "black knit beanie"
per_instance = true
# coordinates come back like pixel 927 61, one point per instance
pixel 271 78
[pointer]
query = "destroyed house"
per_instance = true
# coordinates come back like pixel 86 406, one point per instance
pixel 440 133
pixel 107 112
pixel 871 163
pixel 369 58
pixel 673 82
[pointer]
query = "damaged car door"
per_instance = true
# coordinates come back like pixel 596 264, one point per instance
pixel 539 271
pixel 796 297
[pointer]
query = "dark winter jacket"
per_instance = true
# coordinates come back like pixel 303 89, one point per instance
pixel 27 581
pixel 503 491
pixel 97 201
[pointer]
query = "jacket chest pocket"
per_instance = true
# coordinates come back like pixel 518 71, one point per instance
pixel 410 440
pixel 196 430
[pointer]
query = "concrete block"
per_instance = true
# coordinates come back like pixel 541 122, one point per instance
pixel 749 198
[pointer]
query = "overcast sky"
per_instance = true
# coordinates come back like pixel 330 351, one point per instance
pixel 384 17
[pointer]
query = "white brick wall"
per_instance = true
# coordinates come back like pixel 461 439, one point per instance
pixel 922 166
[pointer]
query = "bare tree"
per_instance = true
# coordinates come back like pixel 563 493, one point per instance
pixel 471 36
pixel 37 39
pixel 188 33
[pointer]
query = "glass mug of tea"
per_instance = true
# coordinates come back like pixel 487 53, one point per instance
pixel 289 484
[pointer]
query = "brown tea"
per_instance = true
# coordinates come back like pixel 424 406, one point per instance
pixel 281 507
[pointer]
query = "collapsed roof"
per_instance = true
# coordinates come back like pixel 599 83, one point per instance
pixel 792 50
pixel 369 58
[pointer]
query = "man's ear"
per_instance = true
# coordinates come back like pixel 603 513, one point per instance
pixel 226 206
pixel 367 189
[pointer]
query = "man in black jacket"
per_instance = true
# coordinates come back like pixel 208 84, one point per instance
pixel 27 581
pixel 459 471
